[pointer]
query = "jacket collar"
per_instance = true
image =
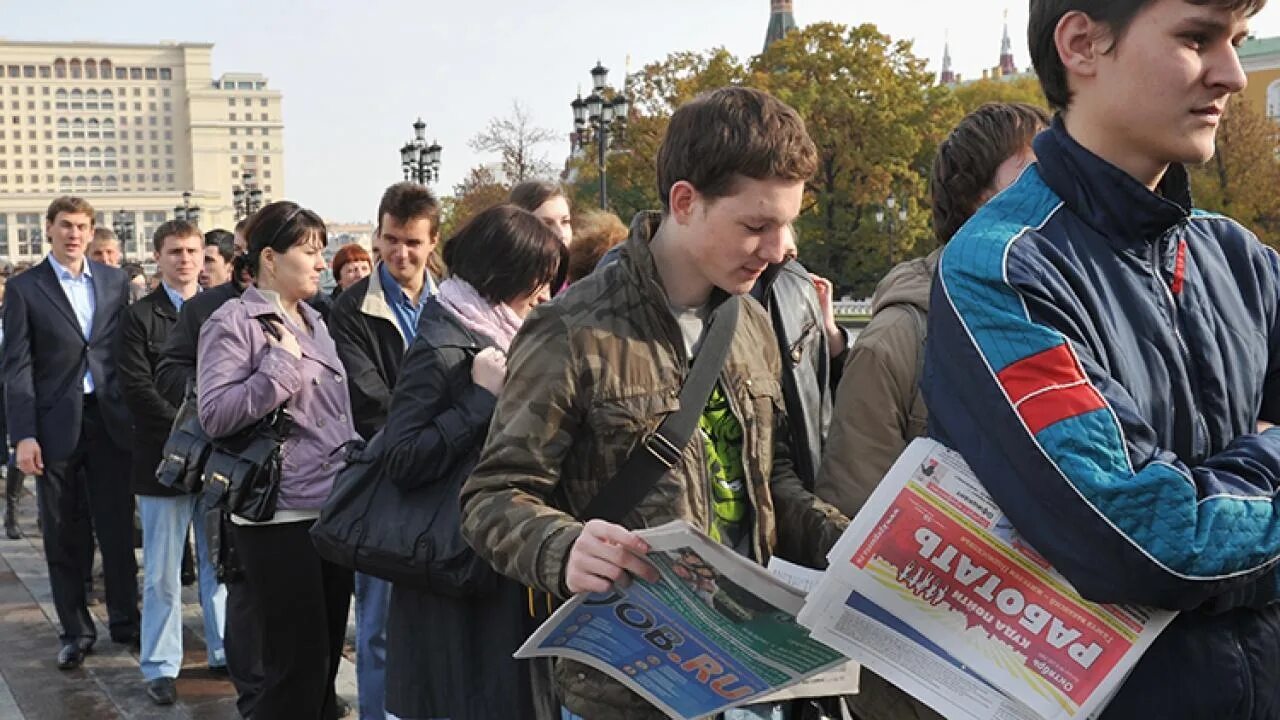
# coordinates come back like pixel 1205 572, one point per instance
pixel 316 344
pixel 374 304
pixel 440 328
pixel 643 269
pixel 162 304
pixel 1105 197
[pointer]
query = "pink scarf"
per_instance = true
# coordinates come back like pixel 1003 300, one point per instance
pixel 496 322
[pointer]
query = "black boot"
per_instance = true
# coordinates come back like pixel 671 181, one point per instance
pixel 12 491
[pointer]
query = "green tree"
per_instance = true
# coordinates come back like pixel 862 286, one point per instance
pixel 876 117
pixel 1023 89
pixel 1241 180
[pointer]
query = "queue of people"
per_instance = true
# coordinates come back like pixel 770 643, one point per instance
pixel 1102 355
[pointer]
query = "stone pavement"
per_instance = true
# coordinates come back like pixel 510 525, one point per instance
pixel 109 685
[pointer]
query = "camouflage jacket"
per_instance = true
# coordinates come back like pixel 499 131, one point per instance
pixel 589 376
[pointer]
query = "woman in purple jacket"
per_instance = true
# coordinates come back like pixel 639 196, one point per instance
pixel 299 600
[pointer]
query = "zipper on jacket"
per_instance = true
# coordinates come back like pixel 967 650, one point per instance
pixel 1247 679
pixel 1201 427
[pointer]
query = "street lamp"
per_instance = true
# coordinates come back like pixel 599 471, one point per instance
pixel 122 223
pixel 246 196
pixel 420 161
pixel 892 223
pixel 187 211
pixel 598 119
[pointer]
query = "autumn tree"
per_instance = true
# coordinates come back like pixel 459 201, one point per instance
pixel 516 141
pixel 1242 179
pixel 876 117
pixel 655 91
pixel 480 190
pixel 1023 89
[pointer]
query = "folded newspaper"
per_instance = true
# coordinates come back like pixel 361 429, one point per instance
pixel 932 588
pixel 715 631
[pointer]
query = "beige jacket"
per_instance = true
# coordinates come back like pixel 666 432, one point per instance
pixel 879 408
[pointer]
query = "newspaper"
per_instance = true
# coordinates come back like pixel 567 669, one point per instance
pixel 932 588
pixel 715 631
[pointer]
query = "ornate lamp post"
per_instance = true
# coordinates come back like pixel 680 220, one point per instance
pixel 247 196
pixel 893 220
pixel 599 119
pixel 126 231
pixel 420 161
pixel 186 211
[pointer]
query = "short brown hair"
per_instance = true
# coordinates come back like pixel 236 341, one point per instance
pixel 531 194
pixel 1117 15
pixel 729 133
pixel 597 232
pixel 407 201
pixel 104 234
pixel 71 205
pixel 967 160
pixel 175 229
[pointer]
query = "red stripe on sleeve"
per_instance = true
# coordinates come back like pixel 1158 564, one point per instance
pixel 1057 405
pixel 1030 375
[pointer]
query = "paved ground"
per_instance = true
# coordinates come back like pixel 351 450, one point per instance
pixel 109 686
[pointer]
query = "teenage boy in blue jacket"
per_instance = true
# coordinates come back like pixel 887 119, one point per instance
pixel 1108 360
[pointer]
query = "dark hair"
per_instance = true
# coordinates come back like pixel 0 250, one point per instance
pixel 506 252
pixel 1117 15
pixel 597 232
pixel 224 241
pixel 241 224
pixel 280 226
pixel 531 194
pixel 967 160
pixel 173 228
pixel 730 133
pixel 407 201
pixel 71 205
pixel 133 270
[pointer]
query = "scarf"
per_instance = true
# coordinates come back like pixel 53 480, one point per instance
pixel 496 322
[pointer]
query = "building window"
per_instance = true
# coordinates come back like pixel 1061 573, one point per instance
pixel 60 68
pixel 235 159
pixel 166 74
pixel 1273 100
pixel 122 73
pixel 264 117
pixel 30 234
pixel 231 102
pixel 152 74
pixel 235 145
pixel 135 74
pixel 231 116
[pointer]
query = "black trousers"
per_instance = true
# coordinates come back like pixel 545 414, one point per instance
pixel 300 603
pixel 242 639
pixel 98 471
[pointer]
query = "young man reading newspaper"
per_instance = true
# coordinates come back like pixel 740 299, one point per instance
pixel 1108 360
pixel 593 373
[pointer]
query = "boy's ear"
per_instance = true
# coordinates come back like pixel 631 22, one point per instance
pixel 683 200
pixel 1081 42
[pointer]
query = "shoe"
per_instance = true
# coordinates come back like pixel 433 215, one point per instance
pixel 71 656
pixel 11 530
pixel 162 691
pixel 133 639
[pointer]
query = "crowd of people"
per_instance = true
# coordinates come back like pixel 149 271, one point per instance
pixel 1103 356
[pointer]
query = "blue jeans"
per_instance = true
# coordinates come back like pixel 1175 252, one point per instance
pixel 373 602
pixel 165 524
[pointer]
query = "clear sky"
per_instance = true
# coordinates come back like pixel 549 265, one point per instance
pixel 356 73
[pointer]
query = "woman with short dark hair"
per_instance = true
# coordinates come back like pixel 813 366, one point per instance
pixel 450 657
pixel 299 600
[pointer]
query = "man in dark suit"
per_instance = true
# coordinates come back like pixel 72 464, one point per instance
pixel 70 424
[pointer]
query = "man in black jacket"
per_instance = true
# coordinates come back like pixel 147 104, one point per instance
pixel 71 427
pixel 167 514
pixel 372 323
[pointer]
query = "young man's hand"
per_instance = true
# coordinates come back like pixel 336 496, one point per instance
pixel 603 555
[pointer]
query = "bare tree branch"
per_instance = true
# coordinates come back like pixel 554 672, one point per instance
pixel 516 139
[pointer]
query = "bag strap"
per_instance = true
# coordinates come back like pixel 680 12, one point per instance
pixel 660 451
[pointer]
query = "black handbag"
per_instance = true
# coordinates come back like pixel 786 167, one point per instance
pixel 186 450
pixel 242 472
pixel 409 537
